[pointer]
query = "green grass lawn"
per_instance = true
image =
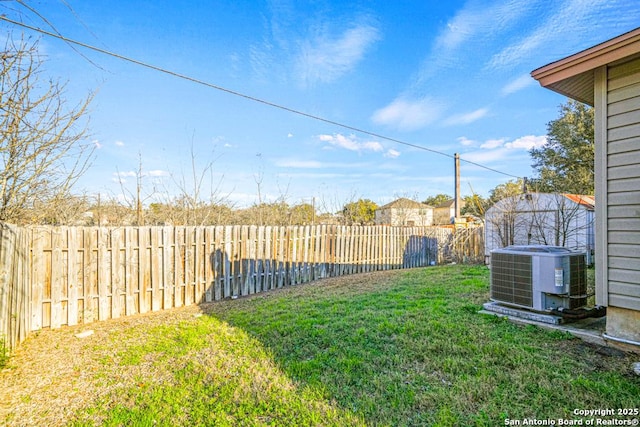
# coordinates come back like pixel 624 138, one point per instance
pixel 402 348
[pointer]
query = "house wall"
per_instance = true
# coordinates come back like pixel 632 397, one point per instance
pixel 383 217
pixel 405 217
pixel 617 103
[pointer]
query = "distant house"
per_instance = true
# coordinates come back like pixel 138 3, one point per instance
pixel 607 76
pixel 405 212
pixel 541 219
pixel 445 213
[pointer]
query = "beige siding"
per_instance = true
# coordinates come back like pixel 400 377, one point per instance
pixel 422 217
pixel 623 185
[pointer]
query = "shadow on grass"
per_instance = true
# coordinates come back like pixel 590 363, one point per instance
pixel 409 348
pixel 396 348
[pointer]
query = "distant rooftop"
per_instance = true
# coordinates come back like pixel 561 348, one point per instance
pixel 404 203
pixel 587 201
pixel 449 203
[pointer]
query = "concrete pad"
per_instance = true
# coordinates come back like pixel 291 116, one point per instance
pixel 589 329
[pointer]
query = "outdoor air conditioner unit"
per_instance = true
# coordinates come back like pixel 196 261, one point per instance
pixel 540 278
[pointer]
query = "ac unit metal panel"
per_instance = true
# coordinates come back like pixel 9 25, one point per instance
pixel 538 277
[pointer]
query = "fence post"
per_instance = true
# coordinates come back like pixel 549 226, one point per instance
pixel 15 286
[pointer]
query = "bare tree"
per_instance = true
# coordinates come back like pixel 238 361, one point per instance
pixel 134 201
pixel 539 218
pixel 558 222
pixel 258 177
pixel 71 210
pixel 42 142
pixel 198 201
pixel 503 222
pixel 113 212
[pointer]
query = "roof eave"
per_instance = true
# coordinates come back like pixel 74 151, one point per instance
pixel 573 76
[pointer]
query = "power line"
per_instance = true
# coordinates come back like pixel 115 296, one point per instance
pixel 46 21
pixel 242 95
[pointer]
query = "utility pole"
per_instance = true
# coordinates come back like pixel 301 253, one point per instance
pixel 313 207
pixel 457 195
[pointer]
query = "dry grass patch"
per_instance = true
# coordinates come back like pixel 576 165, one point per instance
pixel 54 374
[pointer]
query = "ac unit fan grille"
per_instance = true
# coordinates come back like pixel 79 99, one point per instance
pixel 578 281
pixel 511 279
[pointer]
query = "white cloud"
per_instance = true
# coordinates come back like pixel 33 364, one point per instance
pixel 518 84
pixel 527 142
pixel 97 144
pixel 487 156
pixel 127 174
pixel 392 154
pixel 121 177
pixel 490 144
pixel 339 140
pixel 465 119
pixel 501 149
pixel 372 146
pixel 351 143
pixel 316 175
pixel 221 140
pixel 294 163
pixel 514 53
pixel 470 20
pixel 324 58
pixel 407 115
pixel 463 140
pixel 564 27
pixel 289 135
pixel 472 28
pixel 157 173
pixel 301 164
pixel 119 143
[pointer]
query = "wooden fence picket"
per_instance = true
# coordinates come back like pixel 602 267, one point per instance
pixel 67 275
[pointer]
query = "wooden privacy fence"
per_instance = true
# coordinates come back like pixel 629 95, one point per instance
pixel 55 276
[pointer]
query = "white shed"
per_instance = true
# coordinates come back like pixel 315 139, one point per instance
pixel 541 219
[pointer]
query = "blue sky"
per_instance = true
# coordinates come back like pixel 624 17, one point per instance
pixel 452 77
